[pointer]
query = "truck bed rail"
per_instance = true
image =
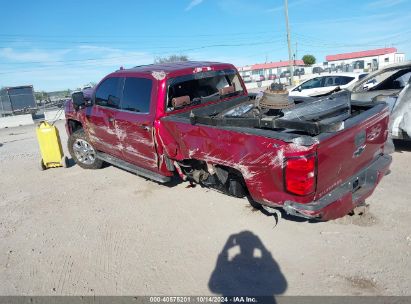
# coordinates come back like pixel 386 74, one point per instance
pixel 313 119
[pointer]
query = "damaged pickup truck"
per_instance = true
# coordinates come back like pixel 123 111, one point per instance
pixel 196 120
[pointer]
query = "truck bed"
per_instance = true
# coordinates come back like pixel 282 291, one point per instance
pixel 306 123
pixel 344 137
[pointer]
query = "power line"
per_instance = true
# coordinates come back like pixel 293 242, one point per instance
pixel 53 64
pixel 142 46
pixel 182 50
pixel 136 36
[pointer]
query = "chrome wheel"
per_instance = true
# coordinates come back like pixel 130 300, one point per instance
pixel 84 152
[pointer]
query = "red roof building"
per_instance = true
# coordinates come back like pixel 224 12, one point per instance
pixel 361 54
pixel 273 65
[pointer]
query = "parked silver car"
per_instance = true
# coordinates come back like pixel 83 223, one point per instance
pixel 391 84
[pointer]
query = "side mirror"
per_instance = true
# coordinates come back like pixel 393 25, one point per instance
pixel 78 100
pixel 299 89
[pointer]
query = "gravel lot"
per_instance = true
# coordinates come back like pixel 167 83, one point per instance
pixel 108 232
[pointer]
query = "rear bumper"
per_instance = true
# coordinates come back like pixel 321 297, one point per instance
pixel 346 197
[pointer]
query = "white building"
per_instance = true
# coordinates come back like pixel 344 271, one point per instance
pixel 370 60
pixel 271 68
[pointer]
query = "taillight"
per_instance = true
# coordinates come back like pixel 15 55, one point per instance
pixel 300 176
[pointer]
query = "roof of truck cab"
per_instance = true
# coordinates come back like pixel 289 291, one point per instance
pixel 172 66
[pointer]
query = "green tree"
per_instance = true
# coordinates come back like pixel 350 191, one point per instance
pixel 309 59
pixel 172 58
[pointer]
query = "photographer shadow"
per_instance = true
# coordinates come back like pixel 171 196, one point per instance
pixel 246 268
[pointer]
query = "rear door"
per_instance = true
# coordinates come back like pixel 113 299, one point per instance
pixel 100 117
pixel 134 121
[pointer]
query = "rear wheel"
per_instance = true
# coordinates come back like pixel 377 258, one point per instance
pixel 82 151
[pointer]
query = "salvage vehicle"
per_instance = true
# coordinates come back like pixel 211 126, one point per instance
pixel 391 84
pixel 323 84
pixel 196 120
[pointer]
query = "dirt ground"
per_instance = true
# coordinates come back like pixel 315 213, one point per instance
pixel 109 232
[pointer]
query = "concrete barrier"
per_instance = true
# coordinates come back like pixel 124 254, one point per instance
pixel 15 121
pixel 54 115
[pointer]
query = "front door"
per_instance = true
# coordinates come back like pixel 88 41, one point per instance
pixel 100 117
pixel 135 122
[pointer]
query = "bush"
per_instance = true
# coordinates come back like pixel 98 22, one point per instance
pixel 309 59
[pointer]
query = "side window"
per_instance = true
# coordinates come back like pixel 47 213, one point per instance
pixel 108 93
pixel 137 95
pixel 311 84
pixel 330 81
pixel 343 80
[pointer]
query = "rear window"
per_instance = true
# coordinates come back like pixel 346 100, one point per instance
pixel 202 87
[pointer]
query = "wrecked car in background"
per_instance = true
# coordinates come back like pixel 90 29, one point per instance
pixel 391 84
pixel 196 120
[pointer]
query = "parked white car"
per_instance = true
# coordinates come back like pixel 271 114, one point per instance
pixel 323 84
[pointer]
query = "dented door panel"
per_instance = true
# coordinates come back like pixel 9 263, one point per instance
pixel 134 122
pixel 100 128
pixel 135 134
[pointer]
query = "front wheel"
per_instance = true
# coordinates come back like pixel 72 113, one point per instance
pixel 82 151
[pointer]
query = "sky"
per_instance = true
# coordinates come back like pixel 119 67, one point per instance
pixel 60 45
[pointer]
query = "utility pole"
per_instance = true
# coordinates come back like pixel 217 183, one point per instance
pixel 296 51
pixel 289 43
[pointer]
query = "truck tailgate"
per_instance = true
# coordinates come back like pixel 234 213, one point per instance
pixel 342 155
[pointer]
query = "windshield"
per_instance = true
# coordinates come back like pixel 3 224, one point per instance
pixel 202 87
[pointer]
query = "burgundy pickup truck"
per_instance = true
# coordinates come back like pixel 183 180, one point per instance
pixel 196 120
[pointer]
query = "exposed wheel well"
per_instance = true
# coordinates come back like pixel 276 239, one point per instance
pixel 74 125
pixel 223 177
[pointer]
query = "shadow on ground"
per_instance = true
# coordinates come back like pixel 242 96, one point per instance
pixel 246 268
pixel 402 146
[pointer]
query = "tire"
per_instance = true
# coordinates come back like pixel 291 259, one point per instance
pixel 82 151
pixel 65 162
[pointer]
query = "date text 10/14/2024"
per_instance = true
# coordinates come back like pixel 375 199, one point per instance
pixel 203 299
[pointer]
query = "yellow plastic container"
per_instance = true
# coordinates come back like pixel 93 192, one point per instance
pixel 50 146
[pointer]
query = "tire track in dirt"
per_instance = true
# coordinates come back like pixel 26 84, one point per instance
pixel 64 274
